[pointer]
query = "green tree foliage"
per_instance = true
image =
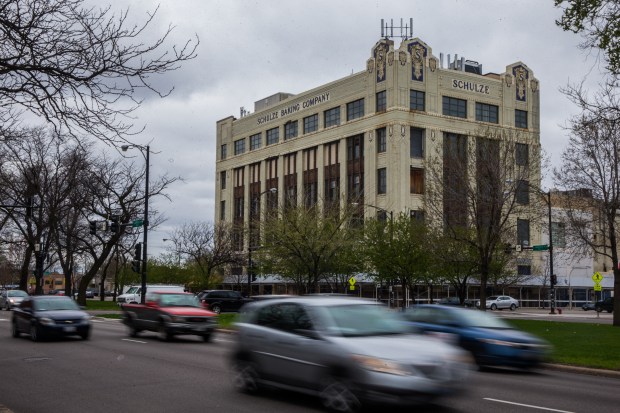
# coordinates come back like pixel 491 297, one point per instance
pixel 306 245
pixel 598 21
pixel 398 250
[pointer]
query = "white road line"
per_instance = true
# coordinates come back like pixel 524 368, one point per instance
pixel 527 405
pixel 223 341
pixel 134 341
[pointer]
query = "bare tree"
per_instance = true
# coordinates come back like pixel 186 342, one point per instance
pixel 207 247
pixel 83 69
pixel 590 173
pixel 476 188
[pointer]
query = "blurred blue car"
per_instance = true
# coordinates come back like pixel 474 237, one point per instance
pixel 491 340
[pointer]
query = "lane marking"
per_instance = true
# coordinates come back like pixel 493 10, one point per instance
pixel 222 340
pixel 134 341
pixel 527 405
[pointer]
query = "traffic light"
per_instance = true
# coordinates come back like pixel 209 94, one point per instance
pixel 114 226
pixel 93 227
pixel 137 257
pixel 554 279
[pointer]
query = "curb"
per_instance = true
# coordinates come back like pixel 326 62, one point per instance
pixel 614 374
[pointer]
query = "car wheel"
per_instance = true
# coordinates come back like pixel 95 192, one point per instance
pixel 493 307
pixel 133 331
pixel 14 330
pixel 513 307
pixel 245 377
pixel 35 333
pixel 336 396
pixel 216 308
pixel 163 332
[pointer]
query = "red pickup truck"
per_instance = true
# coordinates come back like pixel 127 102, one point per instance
pixel 170 314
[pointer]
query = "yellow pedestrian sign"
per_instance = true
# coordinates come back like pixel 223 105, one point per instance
pixel 597 277
pixel 352 283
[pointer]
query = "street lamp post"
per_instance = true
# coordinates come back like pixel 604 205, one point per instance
pixel 250 270
pixel 145 150
pixel 551 283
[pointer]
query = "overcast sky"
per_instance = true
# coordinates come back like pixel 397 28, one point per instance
pixel 252 49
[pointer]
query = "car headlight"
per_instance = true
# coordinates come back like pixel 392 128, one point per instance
pixel 46 321
pixel 380 365
pixel 12 301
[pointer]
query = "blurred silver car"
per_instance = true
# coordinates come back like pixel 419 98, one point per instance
pixel 11 298
pixel 345 351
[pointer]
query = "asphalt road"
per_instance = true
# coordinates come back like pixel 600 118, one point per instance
pixel 114 373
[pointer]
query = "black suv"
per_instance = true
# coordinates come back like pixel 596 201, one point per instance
pixel 607 304
pixel 223 300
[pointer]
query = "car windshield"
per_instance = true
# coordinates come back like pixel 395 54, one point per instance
pixel 359 320
pixel 51 304
pixel 17 293
pixel 132 290
pixel 178 300
pixel 477 318
pixel 492 298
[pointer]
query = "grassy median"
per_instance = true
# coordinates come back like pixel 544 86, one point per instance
pixel 578 344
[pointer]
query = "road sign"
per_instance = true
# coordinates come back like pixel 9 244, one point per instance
pixel 598 287
pixel 544 247
pixel 352 283
pixel 597 277
pixel 137 223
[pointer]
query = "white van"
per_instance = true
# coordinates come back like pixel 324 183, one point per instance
pixel 133 294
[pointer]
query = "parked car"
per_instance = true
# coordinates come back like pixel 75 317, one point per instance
pixel 45 316
pixel 491 340
pixel 455 301
pixel 607 304
pixel 346 351
pixel 499 302
pixel 588 306
pixel 221 301
pixel 11 298
pixel 56 292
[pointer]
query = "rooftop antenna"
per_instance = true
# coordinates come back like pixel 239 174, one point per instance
pixel 406 30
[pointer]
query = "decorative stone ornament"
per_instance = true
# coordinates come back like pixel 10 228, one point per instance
pixel 391 58
pixel 521 77
pixel 534 85
pixel 432 63
pixel 508 79
pixel 418 55
pixel 370 65
pixel 402 57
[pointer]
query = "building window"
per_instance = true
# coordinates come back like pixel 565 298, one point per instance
pixel 558 234
pixel 311 123
pixel 332 117
pixel 381 181
pixel 416 100
pixel 239 208
pixel 522 154
pixel 523 192
pixel 223 151
pixel 521 118
pixel 223 180
pixel 381 140
pixel 355 109
pixel 486 113
pixel 290 130
pixel 524 269
pixel 222 210
pixel 381 101
pixel 417 215
pixel 273 135
pixel 354 148
pixel 523 232
pixel 416 143
pixel 255 141
pixel 454 107
pixel 416 181
pixel 239 146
